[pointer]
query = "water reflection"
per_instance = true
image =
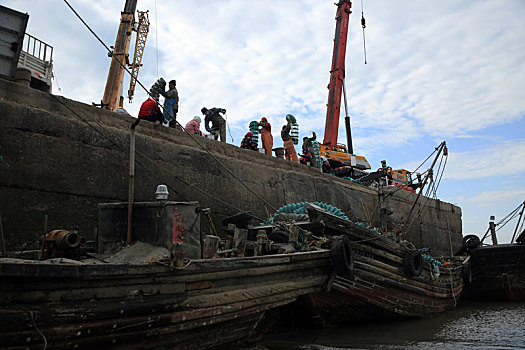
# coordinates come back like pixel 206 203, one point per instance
pixel 469 326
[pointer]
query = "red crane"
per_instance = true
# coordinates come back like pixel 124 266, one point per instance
pixel 337 73
pixel 336 153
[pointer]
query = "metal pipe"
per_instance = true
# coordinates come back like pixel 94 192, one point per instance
pixel 347 123
pixel 518 223
pixel 4 253
pixel 131 187
pixel 440 147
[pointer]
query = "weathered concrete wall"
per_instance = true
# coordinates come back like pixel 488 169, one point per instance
pixel 60 158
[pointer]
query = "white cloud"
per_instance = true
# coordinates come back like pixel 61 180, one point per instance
pixel 499 160
pixel 495 197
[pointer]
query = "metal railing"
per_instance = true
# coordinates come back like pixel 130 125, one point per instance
pixel 37 48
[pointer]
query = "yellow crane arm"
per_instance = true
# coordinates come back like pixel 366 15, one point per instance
pixel 140 44
pixel 119 58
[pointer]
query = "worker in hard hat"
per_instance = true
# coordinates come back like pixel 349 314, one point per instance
pixel 194 126
pixel 266 136
pixel 171 103
pixel 218 127
pixel 150 111
pixel 289 148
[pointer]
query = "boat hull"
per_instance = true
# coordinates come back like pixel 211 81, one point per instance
pixel 380 286
pixel 207 304
pixel 497 273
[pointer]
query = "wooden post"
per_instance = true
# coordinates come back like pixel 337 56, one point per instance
pixel 492 228
pixel 239 241
pixel 45 224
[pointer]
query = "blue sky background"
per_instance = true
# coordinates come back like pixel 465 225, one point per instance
pixel 451 70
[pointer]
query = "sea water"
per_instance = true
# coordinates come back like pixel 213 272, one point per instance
pixel 468 326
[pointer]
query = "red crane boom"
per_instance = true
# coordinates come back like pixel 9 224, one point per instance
pixel 337 73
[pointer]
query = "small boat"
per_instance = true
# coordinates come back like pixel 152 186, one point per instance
pixel 496 272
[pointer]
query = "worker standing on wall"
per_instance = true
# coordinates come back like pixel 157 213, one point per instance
pixel 171 104
pixel 218 127
pixel 150 111
pixel 266 136
pixel 289 148
pixel 194 126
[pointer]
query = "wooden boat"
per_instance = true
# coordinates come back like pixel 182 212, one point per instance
pixel 381 279
pixel 158 303
pixel 496 272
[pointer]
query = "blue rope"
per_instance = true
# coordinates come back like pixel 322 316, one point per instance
pixel 300 208
pixel 431 260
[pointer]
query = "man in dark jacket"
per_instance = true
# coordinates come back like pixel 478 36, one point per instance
pixel 150 111
pixel 171 104
pixel 218 127
pixel 248 143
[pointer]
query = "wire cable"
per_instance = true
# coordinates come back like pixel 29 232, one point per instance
pixel 156 37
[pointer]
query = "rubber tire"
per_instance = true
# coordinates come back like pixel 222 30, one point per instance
pixel 413 262
pixel 279 236
pixel 471 242
pixel 343 257
pixel 466 272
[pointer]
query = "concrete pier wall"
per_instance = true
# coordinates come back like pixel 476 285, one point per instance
pixel 61 158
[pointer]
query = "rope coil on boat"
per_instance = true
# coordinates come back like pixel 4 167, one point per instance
pixel 300 208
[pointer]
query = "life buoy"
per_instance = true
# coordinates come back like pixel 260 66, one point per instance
pixel 343 257
pixel 470 242
pixel 413 262
pixel 466 272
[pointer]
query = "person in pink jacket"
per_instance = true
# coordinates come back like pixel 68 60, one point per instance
pixel 194 126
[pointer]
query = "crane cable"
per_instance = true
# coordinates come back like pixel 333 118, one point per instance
pixel 363 25
pixel 156 38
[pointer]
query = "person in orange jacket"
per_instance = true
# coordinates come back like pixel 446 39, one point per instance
pixel 266 136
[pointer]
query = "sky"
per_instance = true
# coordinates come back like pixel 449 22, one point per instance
pixel 452 71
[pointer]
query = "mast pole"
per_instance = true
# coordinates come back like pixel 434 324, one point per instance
pixel 440 148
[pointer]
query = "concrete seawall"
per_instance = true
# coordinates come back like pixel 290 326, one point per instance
pixel 61 158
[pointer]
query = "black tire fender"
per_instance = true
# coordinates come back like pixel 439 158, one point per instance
pixel 470 242
pixel 466 272
pixel 343 257
pixel 413 262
